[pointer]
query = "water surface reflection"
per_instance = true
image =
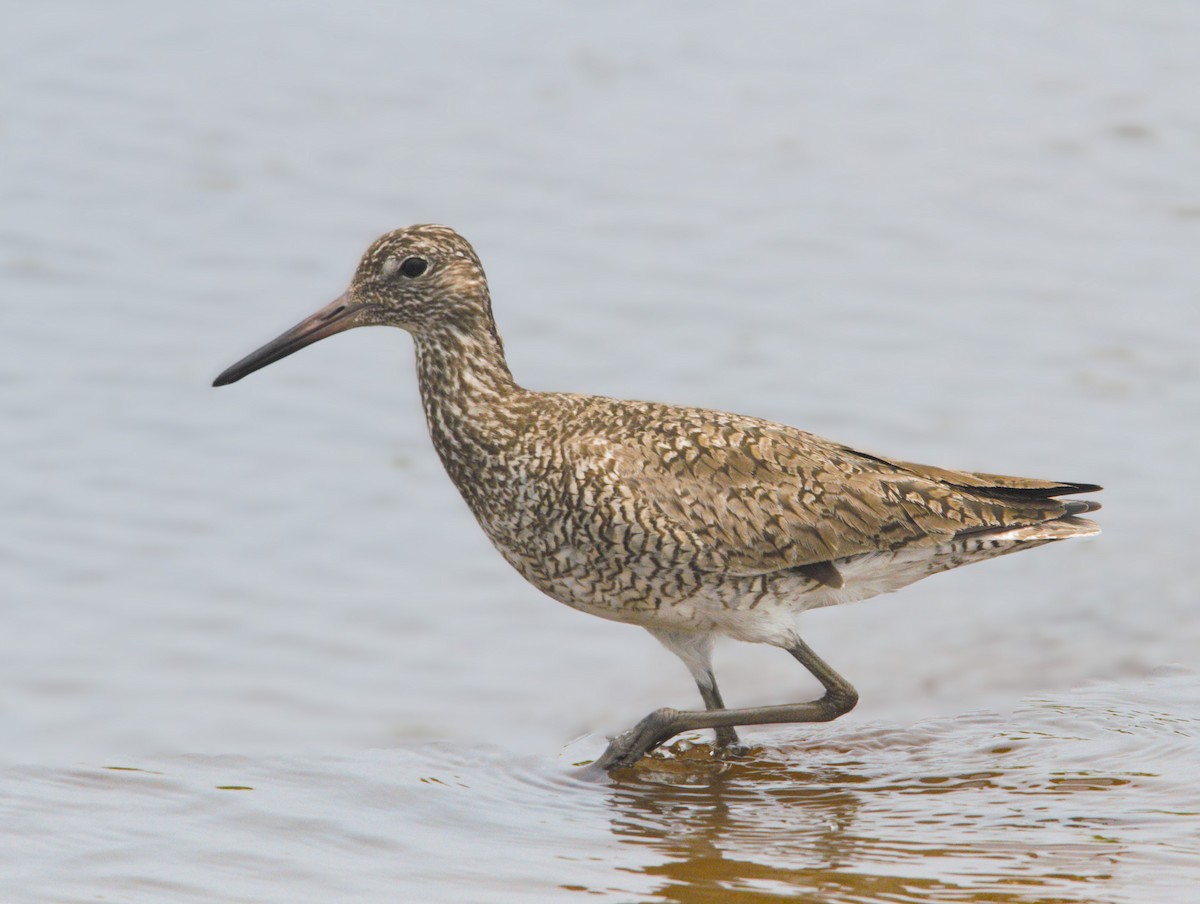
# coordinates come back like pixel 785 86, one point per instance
pixel 1057 802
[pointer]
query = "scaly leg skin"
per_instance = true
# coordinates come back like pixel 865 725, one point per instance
pixel 727 737
pixel 663 724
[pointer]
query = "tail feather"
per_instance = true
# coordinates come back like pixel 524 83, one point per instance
pixel 1036 534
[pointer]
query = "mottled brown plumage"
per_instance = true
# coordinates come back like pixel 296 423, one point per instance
pixel 689 522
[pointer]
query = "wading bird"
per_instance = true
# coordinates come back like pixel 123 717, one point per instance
pixel 688 522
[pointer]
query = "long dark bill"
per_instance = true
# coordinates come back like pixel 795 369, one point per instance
pixel 340 314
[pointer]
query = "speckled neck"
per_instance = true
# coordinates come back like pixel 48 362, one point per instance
pixel 466 388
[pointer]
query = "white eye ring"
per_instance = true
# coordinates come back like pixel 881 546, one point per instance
pixel 390 266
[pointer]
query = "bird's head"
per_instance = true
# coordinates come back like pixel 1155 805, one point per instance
pixel 422 279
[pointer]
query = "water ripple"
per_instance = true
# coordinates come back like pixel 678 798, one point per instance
pixel 1063 794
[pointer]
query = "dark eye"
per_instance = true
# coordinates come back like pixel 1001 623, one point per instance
pixel 412 267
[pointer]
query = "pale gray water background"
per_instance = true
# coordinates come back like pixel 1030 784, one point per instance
pixel 966 234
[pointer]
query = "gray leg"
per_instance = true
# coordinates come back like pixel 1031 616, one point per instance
pixel 726 736
pixel 663 724
pixel 695 649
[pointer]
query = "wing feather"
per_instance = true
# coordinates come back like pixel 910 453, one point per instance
pixel 751 497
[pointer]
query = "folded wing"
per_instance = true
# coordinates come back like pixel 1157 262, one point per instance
pixel 754 497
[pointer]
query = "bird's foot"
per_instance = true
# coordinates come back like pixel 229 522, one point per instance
pixel 732 751
pixel 630 746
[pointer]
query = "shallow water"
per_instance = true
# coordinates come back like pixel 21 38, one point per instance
pixel 1083 796
pixel 254 648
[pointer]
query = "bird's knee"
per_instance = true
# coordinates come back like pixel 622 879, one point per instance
pixel 848 699
pixel 841 700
